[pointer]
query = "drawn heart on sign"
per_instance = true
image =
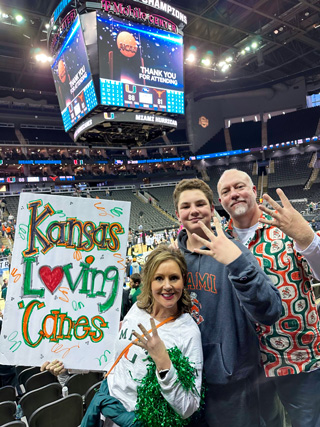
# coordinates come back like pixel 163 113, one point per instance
pixel 5 337
pixel 51 278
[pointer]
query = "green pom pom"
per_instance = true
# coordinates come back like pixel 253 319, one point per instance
pixel 152 410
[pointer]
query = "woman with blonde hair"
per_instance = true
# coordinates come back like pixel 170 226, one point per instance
pixel 158 379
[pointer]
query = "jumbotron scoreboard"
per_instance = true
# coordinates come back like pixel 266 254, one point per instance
pixel 118 68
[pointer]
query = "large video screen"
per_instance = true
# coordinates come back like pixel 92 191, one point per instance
pixel 73 79
pixel 140 67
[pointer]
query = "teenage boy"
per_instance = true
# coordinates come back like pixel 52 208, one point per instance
pixel 230 294
pixel 282 241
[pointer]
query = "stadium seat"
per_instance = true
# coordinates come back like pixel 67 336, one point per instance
pixel 35 399
pixel 26 374
pixel 19 369
pixel 65 412
pixel 80 383
pixel 7 393
pixel 8 376
pixel 152 218
pixel 165 197
pixel 90 393
pixel 7 412
pixel 39 380
pixel 16 423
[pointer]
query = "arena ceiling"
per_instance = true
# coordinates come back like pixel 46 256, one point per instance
pixel 287 32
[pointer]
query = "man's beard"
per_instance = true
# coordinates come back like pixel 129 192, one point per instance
pixel 240 210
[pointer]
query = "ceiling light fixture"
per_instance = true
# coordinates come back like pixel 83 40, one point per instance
pixel 43 58
pixel 191 57
pixel 19 18
pixel 206 62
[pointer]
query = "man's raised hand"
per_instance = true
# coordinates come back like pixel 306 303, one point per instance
pixel 288 219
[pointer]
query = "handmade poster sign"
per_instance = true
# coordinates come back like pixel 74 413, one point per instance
pixel 65 287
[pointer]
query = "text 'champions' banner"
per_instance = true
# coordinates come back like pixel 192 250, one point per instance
pixel 66 280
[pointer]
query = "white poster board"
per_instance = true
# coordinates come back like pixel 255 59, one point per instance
pixel 66 280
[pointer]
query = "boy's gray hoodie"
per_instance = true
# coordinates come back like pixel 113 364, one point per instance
pixel 228 300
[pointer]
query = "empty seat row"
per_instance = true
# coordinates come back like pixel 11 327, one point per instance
pixel 43 399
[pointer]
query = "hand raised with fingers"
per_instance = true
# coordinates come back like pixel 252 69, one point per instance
pixel 288 219
pixel 154 346
pixel 220 247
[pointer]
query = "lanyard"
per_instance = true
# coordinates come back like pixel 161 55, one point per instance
pixel 131 344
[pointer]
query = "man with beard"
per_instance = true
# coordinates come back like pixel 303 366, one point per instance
pixel 282 241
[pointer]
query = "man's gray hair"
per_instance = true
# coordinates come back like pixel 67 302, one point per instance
pixel 235 170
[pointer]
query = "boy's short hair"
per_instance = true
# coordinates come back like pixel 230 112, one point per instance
pixel 191 184
pixel 136 278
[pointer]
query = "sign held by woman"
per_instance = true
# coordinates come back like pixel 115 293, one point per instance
pixel 66 278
